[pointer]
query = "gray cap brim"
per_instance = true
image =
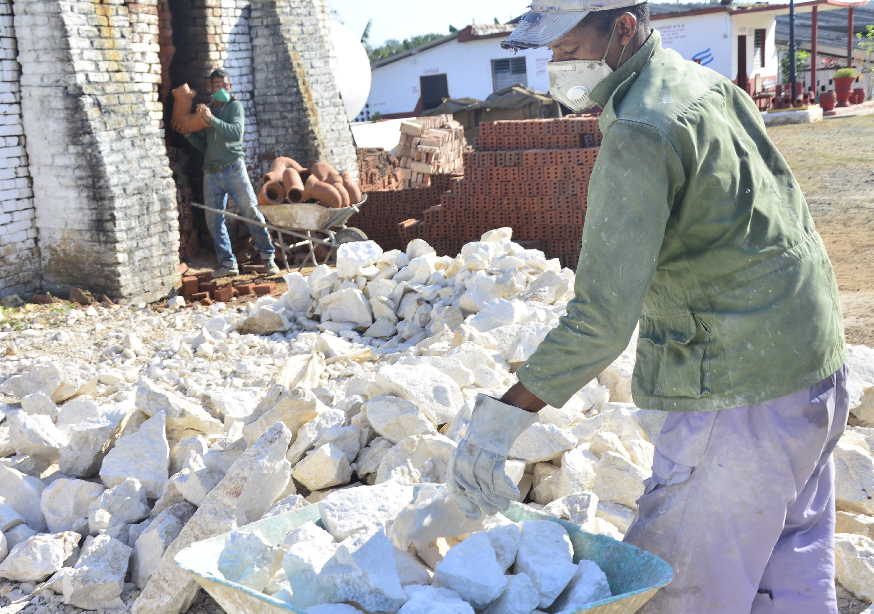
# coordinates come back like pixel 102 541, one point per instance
pixel 538 29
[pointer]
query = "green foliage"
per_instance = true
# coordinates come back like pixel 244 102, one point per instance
pixel 801 63
pixel 393 47
pixel 866 44
pixel 846 72
pixel 452 29
pixel 365 36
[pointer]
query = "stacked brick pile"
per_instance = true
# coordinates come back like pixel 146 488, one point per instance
pixel 378 170
pixel 530 175
pixel 202 288
pixel 385 208
pixel 429 146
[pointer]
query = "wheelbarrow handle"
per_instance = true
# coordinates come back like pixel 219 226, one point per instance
pixel 248 220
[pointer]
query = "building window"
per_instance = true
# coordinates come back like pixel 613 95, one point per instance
pixel 761 35
pixel 509 71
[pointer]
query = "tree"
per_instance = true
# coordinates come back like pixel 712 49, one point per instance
pixel 365 36
pixel 393 47
pixel 452 29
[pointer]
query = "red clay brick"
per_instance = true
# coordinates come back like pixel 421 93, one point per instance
pixel 262 289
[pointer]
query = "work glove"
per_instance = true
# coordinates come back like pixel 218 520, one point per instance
pixel 477 471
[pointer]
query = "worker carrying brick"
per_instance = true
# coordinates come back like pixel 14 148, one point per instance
pixel 696 231
pixel 225 175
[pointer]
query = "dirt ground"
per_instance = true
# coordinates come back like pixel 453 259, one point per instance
pixel 834 163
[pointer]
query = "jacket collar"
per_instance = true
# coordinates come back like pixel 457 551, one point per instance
pixel 607 93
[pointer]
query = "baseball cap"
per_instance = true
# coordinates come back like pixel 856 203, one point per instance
pixel 549 20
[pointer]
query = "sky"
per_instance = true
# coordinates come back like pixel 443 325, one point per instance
pixel 400 19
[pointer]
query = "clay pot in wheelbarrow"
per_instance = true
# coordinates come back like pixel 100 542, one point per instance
pixel 293 185
pixel 344 195
pixel 282 163
pixel 351 187
pixel 184 120
pixel 323 192
pixel 272 193
pixel 325 172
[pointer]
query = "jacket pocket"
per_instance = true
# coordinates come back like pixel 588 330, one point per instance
pixel 671 355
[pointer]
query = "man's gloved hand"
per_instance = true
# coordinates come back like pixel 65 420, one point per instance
pixel 477 474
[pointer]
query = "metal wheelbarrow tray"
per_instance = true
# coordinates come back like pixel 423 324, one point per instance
pixel 634 574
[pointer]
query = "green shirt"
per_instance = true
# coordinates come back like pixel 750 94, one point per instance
pixel 696 229
pixel 222 142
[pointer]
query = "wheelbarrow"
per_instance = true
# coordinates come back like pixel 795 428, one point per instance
pixel 634 574
pixel 305 225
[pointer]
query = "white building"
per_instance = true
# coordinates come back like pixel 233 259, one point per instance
pixel 736 41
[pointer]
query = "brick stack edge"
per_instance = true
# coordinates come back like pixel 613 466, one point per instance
pixel 530 175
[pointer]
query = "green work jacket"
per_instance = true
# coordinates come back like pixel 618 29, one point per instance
pixel 222 142
pixel 697 230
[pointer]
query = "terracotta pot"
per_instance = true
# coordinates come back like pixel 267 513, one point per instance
pixel 281 163
pixel 272 193
pixel 322 192
pixel 293 185
pixel 858 95
pixel 344 195
pixel 843 85
pixel 351 187
pixel 325 172
pixel 827 100
pixel 184 120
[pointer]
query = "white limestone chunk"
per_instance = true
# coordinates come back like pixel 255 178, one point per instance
pixel 39 403
pixel 346 438
pixel 35 434
pixel 616 514
pixel 264 321
pixel 619 480
pixel 287 504
pixel 846 522
pixel 854 563
pixel 90 431
pixel 520 597
pixel 434 600
pixel 121 504
pixel 324 467
pixel 545 483
pixel 9 518
pixel 418 247
pixel 505 542
pixel 248 559
pixel 294 408
pixel 23 493
pixel 297 297
pixel 310 432
pixel 546 555
pixel 363 508
pixel 18 534
pixel 144 455
pixel 97 579
pixel 354 256
pixel 307 549
pixel 854 475
pixel 436 394
pixel 395 418
pixel 150 545
pixel 195 484
pixel 416 459
pixel 588 584
pixel 65 503
pixel 471 569
pixel 541 442
pixel 347 305
pixel 371 456
pixel 860 382
pixel 39 556
pixel 579 508
pixel 181 414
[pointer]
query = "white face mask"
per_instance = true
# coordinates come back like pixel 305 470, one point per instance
pixel 571 82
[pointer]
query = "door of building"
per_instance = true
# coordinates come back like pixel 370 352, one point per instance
pixel 434 89
pixel 743 80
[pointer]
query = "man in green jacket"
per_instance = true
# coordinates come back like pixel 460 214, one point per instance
pixel 697 232
pixel 225 175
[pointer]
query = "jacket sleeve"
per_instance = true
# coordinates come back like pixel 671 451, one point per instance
pixel 631 193
pixel 198 139
pixel 231 129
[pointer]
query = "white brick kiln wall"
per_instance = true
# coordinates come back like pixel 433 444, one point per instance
pixel 19 256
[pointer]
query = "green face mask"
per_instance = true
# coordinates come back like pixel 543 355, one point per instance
pixel 221 95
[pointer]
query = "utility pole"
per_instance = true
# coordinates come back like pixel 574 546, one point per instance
pixel 792 76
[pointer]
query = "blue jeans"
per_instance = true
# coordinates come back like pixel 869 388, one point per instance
pixel 741 503
pixel 233 181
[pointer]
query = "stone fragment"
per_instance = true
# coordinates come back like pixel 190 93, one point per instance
pixel 263 320
pixel 9 518
pixel 854 563
pixel 364 571
pixel 541 442
pixel 860 383
pixel 194 484
pixel 288 504
pixel 248 559
pixel 579 508
pixel 619 480
pixel 471 569
pixel 419 247
pixel 244 494
pixel 371 456
pixel 35 434
pixel 416 459
pixel 363 508
pixel 297 298
pixel 505 542
pixel 150 545
pixel 307 549
pixel 854 475
pixel 45 378
pixel 354 256
pixel 395 418
pixel 846 522
pixel 434 600
pixel 324 467
pixel 410 569
pixel 599 526
pixel 616 514
pixel 545 486
pixel 122 504
pixel 520 597
pixel 310 432
pixel 346 438
pixel 187 453
pixel 18 534
pixel 144 455
pixel 39 403
pixel 436 394
pixel 181 414
pixel 97 579
pixel 90 433
pixel 546 555
pixel 23 493
pixel 65 503
pixel 347 305
pixel 588 584
pixel 38 557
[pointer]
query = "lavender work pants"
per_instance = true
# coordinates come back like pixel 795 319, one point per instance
pixel 742 505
